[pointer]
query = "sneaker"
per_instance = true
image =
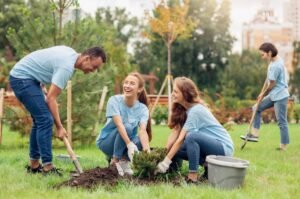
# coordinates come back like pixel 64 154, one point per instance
pixel 203 178
pixel 126 167
pixel 250 137
pixel 280 149
pixel 190 181
pixel 39 169
pixel 54 171
pixel 119 169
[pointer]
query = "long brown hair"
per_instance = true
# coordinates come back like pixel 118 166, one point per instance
pixel 142 97
pixel 190 95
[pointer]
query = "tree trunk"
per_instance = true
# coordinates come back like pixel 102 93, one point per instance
pixel 169 79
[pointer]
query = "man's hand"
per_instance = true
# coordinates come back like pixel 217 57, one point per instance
pixel 163 166
pixel 61 132
pixel 131 149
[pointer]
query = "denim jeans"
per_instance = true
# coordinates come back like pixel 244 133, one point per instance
pixel 196 147
pixel 114 146
pixel 280 108
pixel 30 94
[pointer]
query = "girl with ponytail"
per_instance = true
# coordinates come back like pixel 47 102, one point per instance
pixel 128 127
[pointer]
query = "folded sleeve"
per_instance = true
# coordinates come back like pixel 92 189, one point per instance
pixel 112 108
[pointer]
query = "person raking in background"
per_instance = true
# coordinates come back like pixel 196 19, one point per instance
pixel 274 94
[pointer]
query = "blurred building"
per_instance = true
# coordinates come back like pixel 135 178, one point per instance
pixel 291 13
pixel 265 27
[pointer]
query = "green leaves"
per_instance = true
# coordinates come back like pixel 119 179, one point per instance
pixel 244 76
pixel 145 163
pixel 40 27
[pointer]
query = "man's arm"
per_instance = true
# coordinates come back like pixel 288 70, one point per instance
pixel 52 94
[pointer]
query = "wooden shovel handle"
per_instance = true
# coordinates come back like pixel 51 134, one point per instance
pixel 72 155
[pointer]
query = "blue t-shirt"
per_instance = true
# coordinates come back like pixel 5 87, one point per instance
pixel 278 73
pixel 132 117
pixel 51 65
pixel 201 120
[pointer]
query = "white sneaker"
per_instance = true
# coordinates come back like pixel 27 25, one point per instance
pixel 125 165
pixel 119 168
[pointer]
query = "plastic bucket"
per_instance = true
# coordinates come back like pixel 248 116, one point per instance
pixel 226 172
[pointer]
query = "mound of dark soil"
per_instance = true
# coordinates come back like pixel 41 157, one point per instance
pixel 109 178
pixel 89 178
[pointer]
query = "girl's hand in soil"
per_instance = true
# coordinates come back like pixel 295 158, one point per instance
pixel 163 166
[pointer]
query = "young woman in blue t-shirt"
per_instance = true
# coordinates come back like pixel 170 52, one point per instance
pixel 119 139
pixel 274 94
pixel 196 132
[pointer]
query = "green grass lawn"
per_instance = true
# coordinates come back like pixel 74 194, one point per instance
pixel 272 174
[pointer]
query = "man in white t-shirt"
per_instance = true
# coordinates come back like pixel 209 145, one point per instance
pixel 51 66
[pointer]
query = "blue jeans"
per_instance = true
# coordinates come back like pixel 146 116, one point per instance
pixel 196 147
pixel 280 108
pixel 30 94
pixel 114 146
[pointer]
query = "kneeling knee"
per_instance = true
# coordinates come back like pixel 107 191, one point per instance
pixel 190 137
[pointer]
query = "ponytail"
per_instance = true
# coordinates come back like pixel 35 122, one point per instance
pixel 142 97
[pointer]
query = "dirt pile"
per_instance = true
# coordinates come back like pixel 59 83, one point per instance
pixel 109 178
pixel 89 178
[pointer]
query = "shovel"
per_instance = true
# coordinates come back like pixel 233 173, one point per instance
pixel 251 123
pixel 72 156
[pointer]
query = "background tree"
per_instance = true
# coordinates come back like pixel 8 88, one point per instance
pixel 170 22
pixel 9 17
pixel 59 7
pixel 244 76
pixel 295 77
pixel 125 28
pixel 41 30
pixel 125 25
pixel 204 55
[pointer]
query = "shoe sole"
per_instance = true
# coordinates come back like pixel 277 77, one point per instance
pixel 249 139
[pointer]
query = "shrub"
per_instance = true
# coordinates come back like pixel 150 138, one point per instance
pixel 231 102
pixel 145 163
pixel 245 104
pixel 160 114
pixel 17 118
pixel 296 115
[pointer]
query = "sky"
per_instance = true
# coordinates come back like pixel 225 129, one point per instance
pixel 241 11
